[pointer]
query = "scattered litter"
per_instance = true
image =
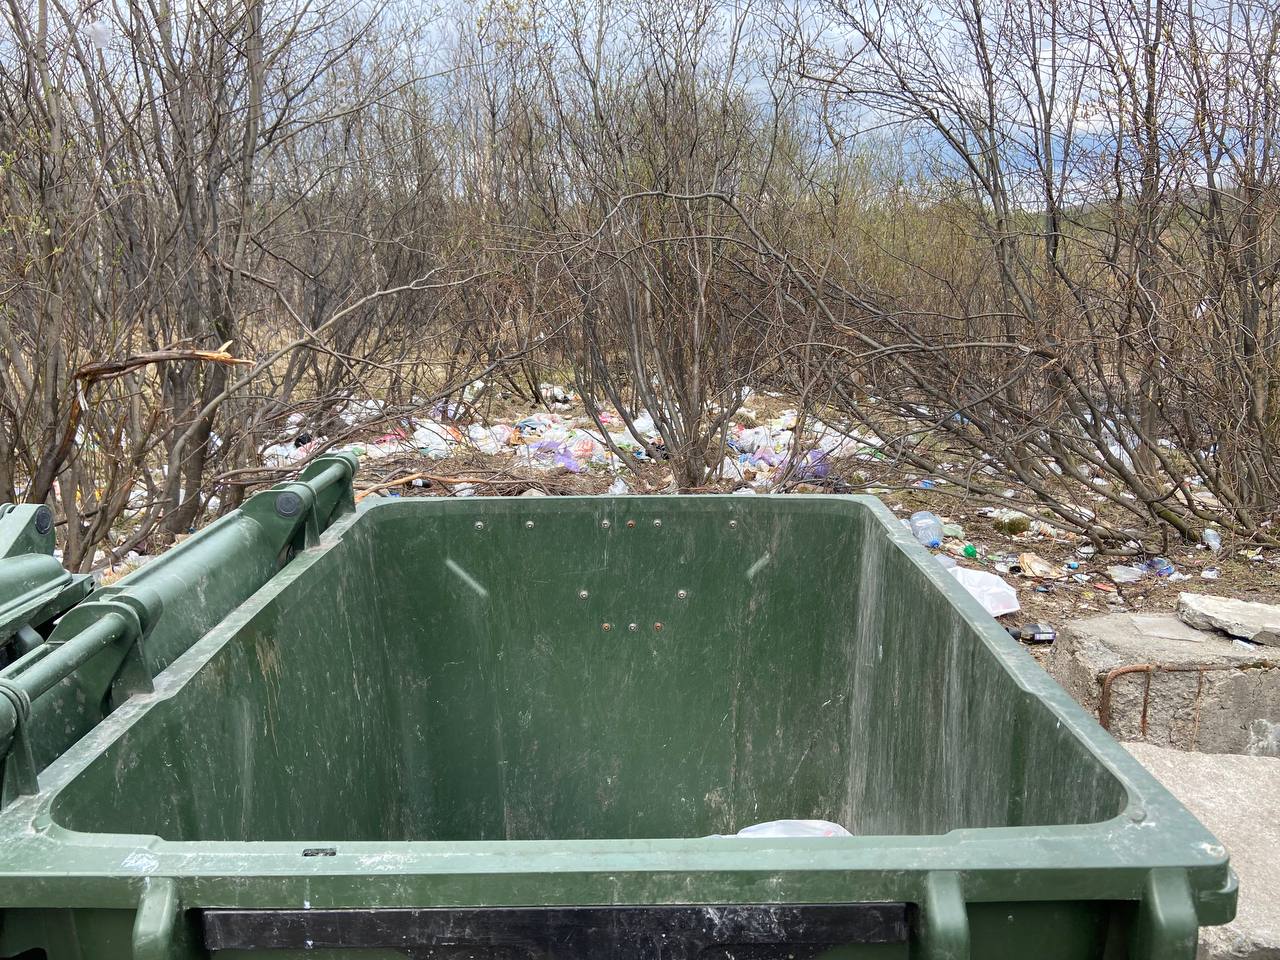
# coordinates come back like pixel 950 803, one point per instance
pixel 619 488
pixel 1042 529
pixel 926 528
pixel 1210 573
pixel 953 531
pixel 464 490
pixel 1125 574
pixel 1034 565
pixel 1160 566
pixel 1034 633
pixel 996 596
pixel 1211 539
pixel 533 492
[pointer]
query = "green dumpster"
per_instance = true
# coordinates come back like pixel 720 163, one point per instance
pixel 527 728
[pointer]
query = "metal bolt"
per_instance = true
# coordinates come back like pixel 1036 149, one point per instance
pixel 288 504
pixel 682 594
pixel 528 524
pixel 44 520
pixel 605 524
pixel 633 627
pixel 658 625
pixel 630 523
pixel 582 594
pixel 606 627
pixel 733 524
pixel 479 524
pixel 657 523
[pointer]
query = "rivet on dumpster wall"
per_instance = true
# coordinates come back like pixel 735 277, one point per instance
pixel 631 523
pixel 582 594
pixel 479 524
pixel 657 523
pixel 606 627
pixel 733 524
pixel 658 625
pixel 633 627
pixel 681 594
pixel 528 524
pixel 605 524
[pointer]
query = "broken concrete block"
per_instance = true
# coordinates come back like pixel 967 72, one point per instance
pixel 1154 678
pixel 1238 799
pixel 1256 622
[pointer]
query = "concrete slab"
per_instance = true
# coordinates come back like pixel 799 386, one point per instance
pixel 1238 799
pixel 1156 679
pixel 1247 619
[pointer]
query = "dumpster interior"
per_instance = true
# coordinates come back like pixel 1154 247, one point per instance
pixel 597 668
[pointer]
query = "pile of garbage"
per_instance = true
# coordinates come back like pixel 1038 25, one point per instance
pixel 758 455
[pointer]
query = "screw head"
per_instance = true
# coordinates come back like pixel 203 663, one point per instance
pixel 658 625
pixel 630 524
pixel 479 524
pixel 606 627
pixel 288 504
pixel 657 523
pixel 528 524
pixel 605 524
pixel 682 594
pixel 582 594
pixel 733 524
pixel 633 627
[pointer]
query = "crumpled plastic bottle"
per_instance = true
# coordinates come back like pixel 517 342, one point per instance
pixel 926 528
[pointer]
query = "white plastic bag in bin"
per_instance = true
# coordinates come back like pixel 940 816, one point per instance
pixel 794 828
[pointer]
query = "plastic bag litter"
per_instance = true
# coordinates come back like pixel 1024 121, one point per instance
pixel 1125 574
pixel 996 596
pixel 434 439
pixel 791 828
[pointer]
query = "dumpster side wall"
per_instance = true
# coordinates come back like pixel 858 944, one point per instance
pixel 284 733
pixel 949 738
